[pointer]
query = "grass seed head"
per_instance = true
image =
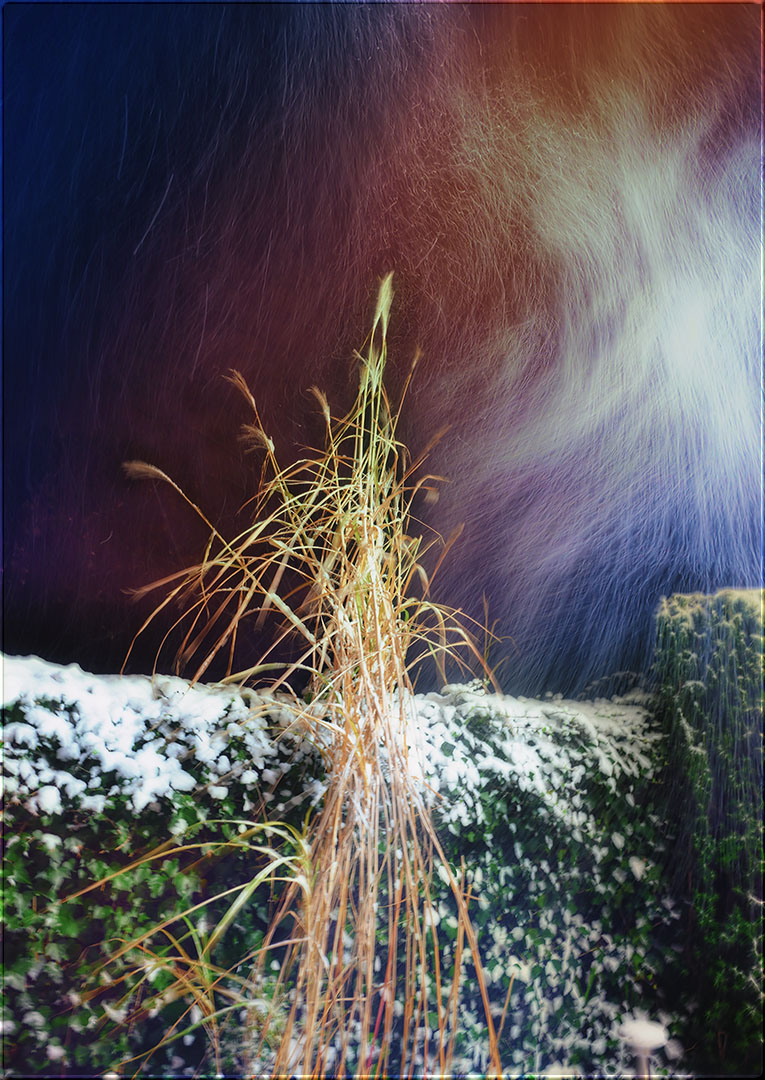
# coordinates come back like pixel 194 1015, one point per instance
pixel 330 552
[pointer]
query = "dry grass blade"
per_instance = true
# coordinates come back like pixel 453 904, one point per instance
pixel 339 525
pixel 190 972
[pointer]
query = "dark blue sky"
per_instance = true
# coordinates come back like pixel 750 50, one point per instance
pixel 191 188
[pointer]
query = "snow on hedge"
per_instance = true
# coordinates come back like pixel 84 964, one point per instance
pixel 545 800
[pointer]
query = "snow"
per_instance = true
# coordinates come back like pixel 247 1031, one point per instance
pixel 137 728
pixel 48 800
pixel 637 866
pixel 151 739
pixel 644 1034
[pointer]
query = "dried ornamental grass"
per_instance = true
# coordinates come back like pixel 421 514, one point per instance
pixel 179 950
pixel 329 552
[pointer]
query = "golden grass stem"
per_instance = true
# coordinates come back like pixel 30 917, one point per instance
pixel 336 525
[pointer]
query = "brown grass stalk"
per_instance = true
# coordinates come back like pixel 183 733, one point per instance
pixel 336 526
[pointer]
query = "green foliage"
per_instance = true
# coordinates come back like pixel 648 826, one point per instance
pixel 65 991
pixel 566 926
pixel 555 822
pixel 709 666
pixel 54 952
pixel 563 922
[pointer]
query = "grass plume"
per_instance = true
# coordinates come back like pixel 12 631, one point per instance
pixel 329 553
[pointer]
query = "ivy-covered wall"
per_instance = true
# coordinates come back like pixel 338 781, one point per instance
pixel 550 804
pixel 709 667
pixel 612 847
pixel 98 772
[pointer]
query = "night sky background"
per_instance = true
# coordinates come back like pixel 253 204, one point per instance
pixel 569 198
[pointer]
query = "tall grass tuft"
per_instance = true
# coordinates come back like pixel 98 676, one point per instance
pixel 329 553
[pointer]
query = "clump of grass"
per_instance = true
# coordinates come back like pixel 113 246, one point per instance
pixel 329 552
pixel 173 961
